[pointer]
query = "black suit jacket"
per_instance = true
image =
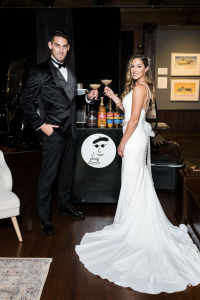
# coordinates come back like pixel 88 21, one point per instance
pixel 56 98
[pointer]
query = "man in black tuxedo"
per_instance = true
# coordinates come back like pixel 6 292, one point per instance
pixel 54 86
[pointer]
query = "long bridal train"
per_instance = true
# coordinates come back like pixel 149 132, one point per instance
pixel 141 249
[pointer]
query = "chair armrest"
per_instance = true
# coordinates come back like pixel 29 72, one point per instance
pixel 5 175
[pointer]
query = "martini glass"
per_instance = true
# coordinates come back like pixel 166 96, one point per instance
pixel 107 82
pixel 95 86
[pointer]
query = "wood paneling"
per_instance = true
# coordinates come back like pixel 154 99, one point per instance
pixel 180 121
pixel 72 3
pixel 168 116
pixel 198 120
pixel 186 124
pixel 161 15
pixel 23 3
pixel 148 2
pixel 126 2
pixel 174 121
pixel 193 121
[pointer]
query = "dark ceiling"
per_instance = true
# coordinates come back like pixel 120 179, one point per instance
pixel 174 12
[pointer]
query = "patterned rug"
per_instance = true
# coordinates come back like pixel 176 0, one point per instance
pixel 23 278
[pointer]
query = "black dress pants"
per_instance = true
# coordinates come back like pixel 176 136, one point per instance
pixel 58 159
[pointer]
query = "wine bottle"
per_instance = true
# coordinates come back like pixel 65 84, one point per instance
pixel 110 115
pixel 117 120
pixel 92 117
pixel 121 117
pixel 102 115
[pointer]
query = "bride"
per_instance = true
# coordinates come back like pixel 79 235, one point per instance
pixel 141 249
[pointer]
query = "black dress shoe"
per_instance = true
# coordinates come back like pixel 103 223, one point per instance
pixel 70 211
pixel 46 227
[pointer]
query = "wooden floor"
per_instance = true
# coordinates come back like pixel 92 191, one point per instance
pixel 67 278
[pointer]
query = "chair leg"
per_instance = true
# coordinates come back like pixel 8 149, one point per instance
pixel 16 226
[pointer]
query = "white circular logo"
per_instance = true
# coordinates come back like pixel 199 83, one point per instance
pixel 98 150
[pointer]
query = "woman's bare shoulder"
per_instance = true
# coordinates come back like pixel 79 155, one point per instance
pixel 139 88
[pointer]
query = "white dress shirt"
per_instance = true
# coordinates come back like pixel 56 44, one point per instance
pixel 62 70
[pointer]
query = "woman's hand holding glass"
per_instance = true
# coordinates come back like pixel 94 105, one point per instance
pixel 109 93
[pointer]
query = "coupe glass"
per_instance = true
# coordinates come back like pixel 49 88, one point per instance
pixel 107 82
pixel 95 86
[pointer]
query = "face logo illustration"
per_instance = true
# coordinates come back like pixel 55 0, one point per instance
pixel 98 150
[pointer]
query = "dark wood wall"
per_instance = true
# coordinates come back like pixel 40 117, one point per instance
pixel 180 121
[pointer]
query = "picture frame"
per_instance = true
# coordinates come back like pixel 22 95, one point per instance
pixel 184 90
pixel 185 64
pixel 153 113
pixel 162 83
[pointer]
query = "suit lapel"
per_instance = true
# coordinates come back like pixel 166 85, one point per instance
pixel 55 77
pixel 74 80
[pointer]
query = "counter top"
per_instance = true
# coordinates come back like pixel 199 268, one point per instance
pixel 96 128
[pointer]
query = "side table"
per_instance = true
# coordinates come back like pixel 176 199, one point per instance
pixel 193 213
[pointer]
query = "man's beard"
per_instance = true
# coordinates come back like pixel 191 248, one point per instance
pixel 58 59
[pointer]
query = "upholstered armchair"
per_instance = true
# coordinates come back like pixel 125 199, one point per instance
pixel 9 202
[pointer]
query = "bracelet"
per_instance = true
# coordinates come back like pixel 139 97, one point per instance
pixel 119 103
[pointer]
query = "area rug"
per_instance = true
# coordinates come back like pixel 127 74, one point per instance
pixel 23 278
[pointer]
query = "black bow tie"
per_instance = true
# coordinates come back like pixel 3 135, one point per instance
pixel 58 64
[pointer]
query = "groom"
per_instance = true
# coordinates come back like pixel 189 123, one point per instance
pixel 53 84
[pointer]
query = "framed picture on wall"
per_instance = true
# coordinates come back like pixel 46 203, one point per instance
pixel 185 64
pixel 184 90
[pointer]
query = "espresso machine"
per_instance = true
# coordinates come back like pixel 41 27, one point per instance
pixel 81 106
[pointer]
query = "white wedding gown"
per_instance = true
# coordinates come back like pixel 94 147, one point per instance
pixel 141 249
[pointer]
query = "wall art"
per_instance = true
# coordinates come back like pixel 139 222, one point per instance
pixel 185 64
pixel 184 90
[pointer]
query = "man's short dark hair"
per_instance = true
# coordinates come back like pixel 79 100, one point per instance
pixel 60 33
